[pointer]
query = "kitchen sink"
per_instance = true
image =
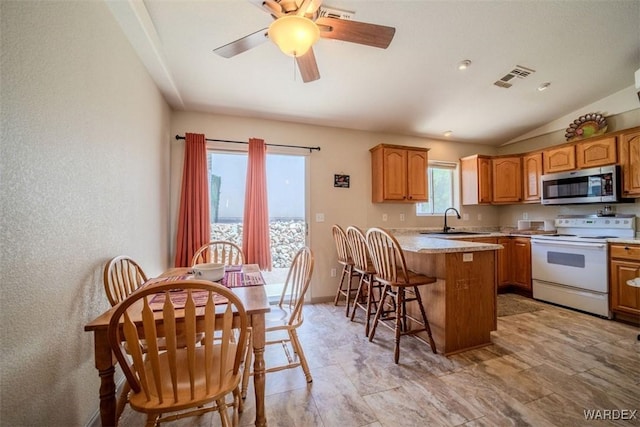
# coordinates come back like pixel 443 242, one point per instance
pixel 454 233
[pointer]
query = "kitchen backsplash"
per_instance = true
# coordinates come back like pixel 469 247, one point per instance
pixel 509 215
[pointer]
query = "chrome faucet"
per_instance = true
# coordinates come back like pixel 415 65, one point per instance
pixel 446 227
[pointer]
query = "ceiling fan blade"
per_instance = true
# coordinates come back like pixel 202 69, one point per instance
pixel 356 32
pixel 273 7
pixel 243 44
pixel 308 66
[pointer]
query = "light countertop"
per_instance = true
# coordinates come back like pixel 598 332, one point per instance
pixel 432 244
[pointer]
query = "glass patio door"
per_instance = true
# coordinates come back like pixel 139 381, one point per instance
pixel 287 206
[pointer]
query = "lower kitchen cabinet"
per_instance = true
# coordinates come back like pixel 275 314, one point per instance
pixel 625 279
pixel 514 263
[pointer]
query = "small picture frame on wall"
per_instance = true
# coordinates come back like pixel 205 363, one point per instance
pixel 341 181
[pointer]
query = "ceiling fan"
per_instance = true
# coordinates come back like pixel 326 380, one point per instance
pixel 297 26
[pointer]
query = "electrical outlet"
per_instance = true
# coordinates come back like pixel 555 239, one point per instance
pixel 319 217
pixel 525 215
pixel 385 217
pixel 465 217
pixel 479 217
pixel 334 272
pixel 401 217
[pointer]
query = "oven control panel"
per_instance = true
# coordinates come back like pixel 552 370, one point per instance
pixel 624 223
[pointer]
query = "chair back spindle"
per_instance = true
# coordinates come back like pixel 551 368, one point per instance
pixel 219 251
pixel 122 275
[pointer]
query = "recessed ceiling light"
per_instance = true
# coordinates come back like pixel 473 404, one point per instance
pixel 544 86
pixel 448 133
pixel 463 65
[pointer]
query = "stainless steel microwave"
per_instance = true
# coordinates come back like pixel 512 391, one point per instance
pixel 595 185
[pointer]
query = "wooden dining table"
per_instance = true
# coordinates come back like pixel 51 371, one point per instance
pixel 255 301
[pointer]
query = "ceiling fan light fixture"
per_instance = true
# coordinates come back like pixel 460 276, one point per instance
pixel 294 34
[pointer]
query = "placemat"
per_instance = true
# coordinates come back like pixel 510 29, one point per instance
pixel 238 279
pixel 179 299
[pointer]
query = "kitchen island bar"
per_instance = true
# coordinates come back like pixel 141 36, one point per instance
pixel 461 304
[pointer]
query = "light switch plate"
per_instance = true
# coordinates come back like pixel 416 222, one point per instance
pixel 319 217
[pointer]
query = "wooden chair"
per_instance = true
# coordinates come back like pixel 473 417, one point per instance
pixel 181 381
pixel 362 265
pixel 348 273
pixel 122 275
pixel 288 317
pixel 400 286
pixel 219 251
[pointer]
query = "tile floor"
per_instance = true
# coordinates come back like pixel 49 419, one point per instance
pixel 544 368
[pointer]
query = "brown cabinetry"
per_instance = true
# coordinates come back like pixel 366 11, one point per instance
pixel 596 153
pixel 507 179
pixel 475 172
pixel 399 174
pixel 629 157
pixel 514 263
pixel 531 173
pixel 559 159
pixel 625 280
pixel 504 262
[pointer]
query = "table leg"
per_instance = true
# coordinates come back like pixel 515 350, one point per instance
pixel 257 323
pixel 106 370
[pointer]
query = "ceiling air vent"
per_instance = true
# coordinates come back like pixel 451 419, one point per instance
pixel 518 71
pixel 332 12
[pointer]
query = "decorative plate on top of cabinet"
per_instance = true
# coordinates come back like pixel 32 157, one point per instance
pixel 592 124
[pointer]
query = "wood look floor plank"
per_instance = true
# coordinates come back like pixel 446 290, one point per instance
pixel 543 368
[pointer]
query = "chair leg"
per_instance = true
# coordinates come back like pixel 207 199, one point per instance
pixel 340 290
pixel 425 320
pixel 379 311
pixel 152 420
pixel 238 406
pixel 400 322
pixel 350 276
pixel 297 347
pixel 123 399
pixel 247 368
pixel 222 410
pixel 357 297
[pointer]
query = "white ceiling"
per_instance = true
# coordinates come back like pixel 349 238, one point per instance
pixel 588 50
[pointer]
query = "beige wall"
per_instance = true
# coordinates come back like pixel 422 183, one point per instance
pixel 84 176
pixel 342 152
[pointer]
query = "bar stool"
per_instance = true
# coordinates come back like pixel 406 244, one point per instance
pixel 344 258
pixel 362 265
pixel 400 286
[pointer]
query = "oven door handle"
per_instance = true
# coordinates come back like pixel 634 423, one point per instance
pixel 570 244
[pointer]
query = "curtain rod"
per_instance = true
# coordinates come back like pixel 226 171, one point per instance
pixel 178 137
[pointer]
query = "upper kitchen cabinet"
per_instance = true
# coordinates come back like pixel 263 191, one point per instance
pixel 507 179
pixel 596 153
pixel 475 173
pixel 399 174
pixel 531 172
pixel 629 157
pixel 559 159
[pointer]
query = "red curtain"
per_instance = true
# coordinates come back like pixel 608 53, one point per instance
pixel 194 223
pixel 255 229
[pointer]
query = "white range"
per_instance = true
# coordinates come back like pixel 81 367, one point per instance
pixel 571 268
